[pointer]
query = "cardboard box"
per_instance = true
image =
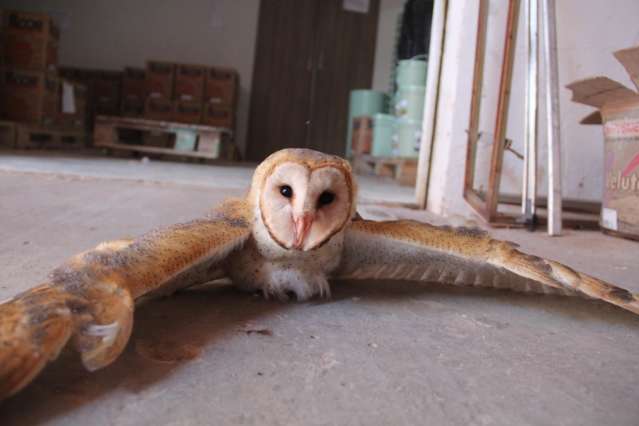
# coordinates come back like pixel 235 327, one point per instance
pixel 158 109
pixel 79 75
pixel 618 111
pixel 87 78
pixel 187 111
pixel 107 84
pixel 362 140
pixel 73 108
pixel 160 77
pixel 218 115
pixel 134 83
pixel 30 41
pixel 221 86
pixel 132 107
pixel 29 96
pixel 107 105
pixel 189 82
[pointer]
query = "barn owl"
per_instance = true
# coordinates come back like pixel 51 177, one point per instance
pixel 296 230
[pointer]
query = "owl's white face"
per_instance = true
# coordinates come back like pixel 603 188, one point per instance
pixel 303 208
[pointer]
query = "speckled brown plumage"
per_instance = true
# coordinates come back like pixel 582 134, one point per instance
pixel 90 299
pixel 408 250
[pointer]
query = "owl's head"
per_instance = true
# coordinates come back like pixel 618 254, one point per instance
pixel 303 197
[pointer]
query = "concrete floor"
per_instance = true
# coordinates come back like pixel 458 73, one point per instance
pixel 377 353
pixel 228 177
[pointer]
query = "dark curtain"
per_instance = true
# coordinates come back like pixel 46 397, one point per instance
pixel 414 35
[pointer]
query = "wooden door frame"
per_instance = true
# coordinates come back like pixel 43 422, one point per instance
pixel 433 79
pixel 356 68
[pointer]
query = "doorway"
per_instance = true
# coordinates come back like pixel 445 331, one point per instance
pixel 310 54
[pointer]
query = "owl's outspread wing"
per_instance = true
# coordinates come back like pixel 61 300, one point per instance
pixel 409 250
pixel 91 297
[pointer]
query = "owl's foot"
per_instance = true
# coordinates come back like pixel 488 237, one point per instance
pixel 103 334
pixel 37 324
pixel 296 288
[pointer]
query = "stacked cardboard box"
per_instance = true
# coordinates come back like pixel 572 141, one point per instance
pixel 195 94
pixel 30 41
pixel 158 108
pixel 29 86
pixel 189 82
pixel 220 97
pixel 83 79
pixel 31 89
pixel 133 92
pixel 73 111
pixel 30 96
pixel 189 92
pixel 103 89
pixel 160 79
pixel 107 86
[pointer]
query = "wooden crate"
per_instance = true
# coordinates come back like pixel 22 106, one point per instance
pixel 8 132
pixel 27 136
pixel 402 170
pixel 108 133
pixel 30 40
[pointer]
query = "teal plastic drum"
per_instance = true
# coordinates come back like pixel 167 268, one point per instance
pixel 364 102
pixel 383 132
pixel 411 72
pixel 409 102
pixel 408 139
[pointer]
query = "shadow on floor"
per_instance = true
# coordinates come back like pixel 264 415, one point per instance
pixel 173 331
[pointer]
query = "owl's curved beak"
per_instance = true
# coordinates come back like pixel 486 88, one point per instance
pixel 302 226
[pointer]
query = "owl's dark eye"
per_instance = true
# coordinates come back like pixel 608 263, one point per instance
pixel 286 191
pixel 325 198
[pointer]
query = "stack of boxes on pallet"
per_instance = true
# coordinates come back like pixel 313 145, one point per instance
pixel 192 94
pixel 133 92
pixel 31 90
pixel 164 91
pixel 102 91
pixel 37 94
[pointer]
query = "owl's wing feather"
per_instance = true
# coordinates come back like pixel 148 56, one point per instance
pixel 409 250
pixel 91 297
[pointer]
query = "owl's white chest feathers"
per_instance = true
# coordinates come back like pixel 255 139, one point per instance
pixel 264 265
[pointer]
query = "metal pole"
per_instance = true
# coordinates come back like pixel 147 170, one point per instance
pixel 552 117
pixel 529 193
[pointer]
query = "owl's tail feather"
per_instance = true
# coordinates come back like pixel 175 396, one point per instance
pixel 37 324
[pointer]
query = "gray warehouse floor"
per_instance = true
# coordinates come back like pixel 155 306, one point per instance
pixel 382 353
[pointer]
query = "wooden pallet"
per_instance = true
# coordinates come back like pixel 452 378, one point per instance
pixel 403 170
pixel 109 134
pixel 28 136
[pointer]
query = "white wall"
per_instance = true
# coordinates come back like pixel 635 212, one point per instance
pixel 116 33
pixel 588 32
pixel 389 11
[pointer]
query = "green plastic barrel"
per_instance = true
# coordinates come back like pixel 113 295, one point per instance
pixel 364 102
pixel 412 72
pixel 409 102
pixel 383 132
pixel 408 138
